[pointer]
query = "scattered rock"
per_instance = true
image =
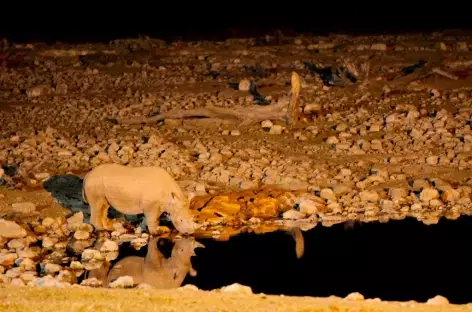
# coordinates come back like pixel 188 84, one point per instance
pixel 244 85
pixel 276 129
pixel 76 218
pixel 10 229
pixel 428 194
pixel 188 287
pixel 7 260
pixel 91 282
pixel 267 124
pixel 438 300
pixel 355 296
pixel 369 196
pixel 292 215
pixel 237 288
pixel 122 282
pixel 23 208
pixel 328 194
pixel 81 235
pixel 311 108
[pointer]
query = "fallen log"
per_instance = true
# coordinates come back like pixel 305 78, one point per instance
pixel 286 111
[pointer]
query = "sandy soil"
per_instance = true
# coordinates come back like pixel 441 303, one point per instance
pixel 75 299
pixel 394 142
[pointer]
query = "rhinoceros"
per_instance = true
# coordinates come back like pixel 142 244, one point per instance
pixel 133 190
pixel 155 269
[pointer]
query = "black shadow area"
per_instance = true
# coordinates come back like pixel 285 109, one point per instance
pixel 67 190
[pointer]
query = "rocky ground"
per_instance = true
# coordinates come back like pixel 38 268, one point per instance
pixel 382 132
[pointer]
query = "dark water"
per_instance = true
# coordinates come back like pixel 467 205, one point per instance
pixel 400 260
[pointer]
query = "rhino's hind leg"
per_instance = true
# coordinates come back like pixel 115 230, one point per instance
pixel 96 208
pixel 107 224
pixel 152 213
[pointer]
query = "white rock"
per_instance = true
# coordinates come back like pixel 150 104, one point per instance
pixel 16 243
pixel 432 160
pixel 51 268
pixel 328 194
pixel 122 282
pixel 48 242
pixel 10 229
pixel 23 208
pixel 28 277
pixel 244 85
pixel 76 265
pixel 378 47
pixel 38 90
pixel 308 207
pixel 311 108
pixel 437 300
pixel 355 296
pixel 267 124
pixel 397 193
pixel 108 246
pixel 188 287
pixel 144 286
pixel 46 281
pixel 8 259
pixel 91 254
pixel 237 288
pixel 345 172
pixel 17 282
pixel 332 140
pixel 292 214
pixel 77 217
pixel 387 204
pixel 91 282
pixel 42 176
pixel 276 129
pixel 369 196
pixel 81 235
pixel 428 194
pixel 27 264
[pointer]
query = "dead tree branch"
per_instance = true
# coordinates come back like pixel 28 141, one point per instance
pixel 286 111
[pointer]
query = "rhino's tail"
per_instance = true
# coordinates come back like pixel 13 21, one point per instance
pixel 84 198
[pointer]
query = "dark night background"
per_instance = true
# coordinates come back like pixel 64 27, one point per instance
pixel 102 21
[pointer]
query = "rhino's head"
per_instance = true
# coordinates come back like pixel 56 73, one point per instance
pixel 186 246
pixel 183 222
pixel 180 215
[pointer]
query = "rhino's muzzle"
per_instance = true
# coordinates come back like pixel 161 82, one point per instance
pixel 198 245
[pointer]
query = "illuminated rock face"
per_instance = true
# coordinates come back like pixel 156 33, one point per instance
pixel 261 203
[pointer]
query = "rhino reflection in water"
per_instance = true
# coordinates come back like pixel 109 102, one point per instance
pixel 154 269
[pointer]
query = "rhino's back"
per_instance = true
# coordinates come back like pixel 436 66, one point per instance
pixel 128 183
pixel 119 173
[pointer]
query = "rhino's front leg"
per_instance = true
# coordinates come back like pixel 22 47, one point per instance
pixel 152 213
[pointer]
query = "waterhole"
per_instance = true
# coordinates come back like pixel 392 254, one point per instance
pixel 399 260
